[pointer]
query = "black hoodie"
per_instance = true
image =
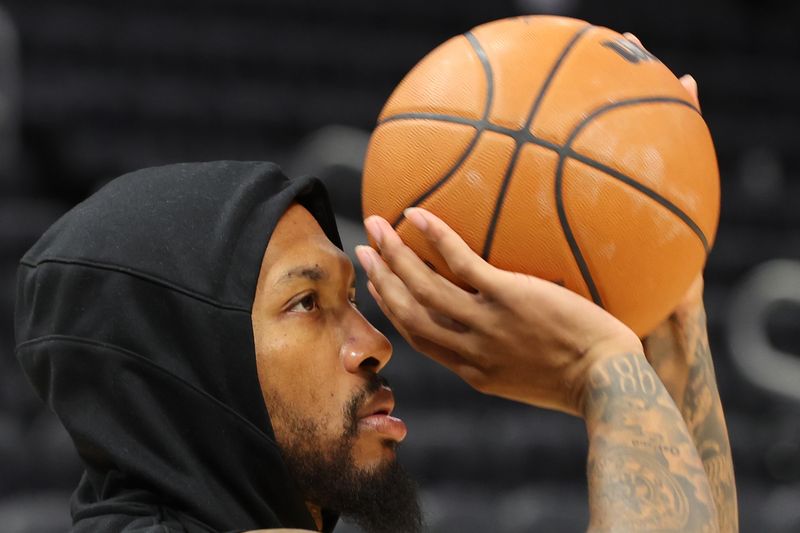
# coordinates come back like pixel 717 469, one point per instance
pixel 133 324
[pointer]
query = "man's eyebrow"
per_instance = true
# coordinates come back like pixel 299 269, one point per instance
pixel 310 272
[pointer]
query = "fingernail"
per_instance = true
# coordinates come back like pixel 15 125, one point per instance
pixel 374 228
pixel 631 37
pixel 416 217
pixel 365 257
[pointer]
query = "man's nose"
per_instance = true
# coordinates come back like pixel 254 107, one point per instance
pixel 365 348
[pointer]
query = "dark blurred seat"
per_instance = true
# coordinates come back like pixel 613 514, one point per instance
pixel 335 154
pixel 546 507
pixel 13 456
pixel 46 512
pixel 22 222
pixel 10 93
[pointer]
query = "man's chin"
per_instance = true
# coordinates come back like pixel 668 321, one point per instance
pixel 378 495
pixel 386 498
pixel 370 453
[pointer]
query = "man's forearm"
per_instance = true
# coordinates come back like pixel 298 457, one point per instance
pixel 682 359
pixel 643 469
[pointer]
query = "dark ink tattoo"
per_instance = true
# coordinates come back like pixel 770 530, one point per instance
pixel 681 356
pixel 639 491
pixel 643 469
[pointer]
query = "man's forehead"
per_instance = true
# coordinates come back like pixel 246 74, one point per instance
pixel 295 222
pixel 296 233
pixel 299 249
pixel 303 251
pixel 311 261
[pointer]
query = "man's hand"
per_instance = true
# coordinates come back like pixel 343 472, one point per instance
pixel 516 336
pixel 533 341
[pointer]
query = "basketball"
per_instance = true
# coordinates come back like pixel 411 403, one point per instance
pixel 557 149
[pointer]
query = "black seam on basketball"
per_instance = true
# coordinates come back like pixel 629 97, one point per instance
pixel 570 237
pixel 552 74
pixel 677 211
pixel 521 136
pixel 436 117
pixel 567 151
pixel 444 179
pixel 487 242
pixel 501 197
pixel 624 103
pixel 487 70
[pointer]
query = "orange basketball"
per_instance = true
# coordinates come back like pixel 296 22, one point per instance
pixel 558 149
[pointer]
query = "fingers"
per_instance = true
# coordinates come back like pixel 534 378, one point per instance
pixel 427 287
pixel 438 353
pixel 690 84
pixel 385 310
pixel 409 316
pixel 693 297
pixel 460 259
pixel 632 38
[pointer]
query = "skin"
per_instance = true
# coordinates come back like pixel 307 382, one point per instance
pixel 314 349
pixel 532 341
pixel 679 352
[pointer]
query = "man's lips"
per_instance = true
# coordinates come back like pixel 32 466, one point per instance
pixel 376 416
pixel 387 425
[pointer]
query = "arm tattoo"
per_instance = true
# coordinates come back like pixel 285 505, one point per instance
pixel 643 469
pixel 681 356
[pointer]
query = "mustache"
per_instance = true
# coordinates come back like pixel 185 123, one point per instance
pixel 353 406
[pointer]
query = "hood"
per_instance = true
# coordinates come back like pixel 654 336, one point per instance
pixel 133 324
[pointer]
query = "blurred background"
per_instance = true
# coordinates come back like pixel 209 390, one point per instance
pixel 91 89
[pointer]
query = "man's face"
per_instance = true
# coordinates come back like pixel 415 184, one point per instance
pixel 318 361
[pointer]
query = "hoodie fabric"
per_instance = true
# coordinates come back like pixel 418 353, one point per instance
pixel 133 324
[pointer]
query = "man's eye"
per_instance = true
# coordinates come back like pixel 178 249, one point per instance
pixel 307 304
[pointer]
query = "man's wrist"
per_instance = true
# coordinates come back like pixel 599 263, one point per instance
pixel 624 369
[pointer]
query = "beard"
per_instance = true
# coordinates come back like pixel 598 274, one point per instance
pixel 379 500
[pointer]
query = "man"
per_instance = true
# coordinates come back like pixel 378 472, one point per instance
pixel 193 327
